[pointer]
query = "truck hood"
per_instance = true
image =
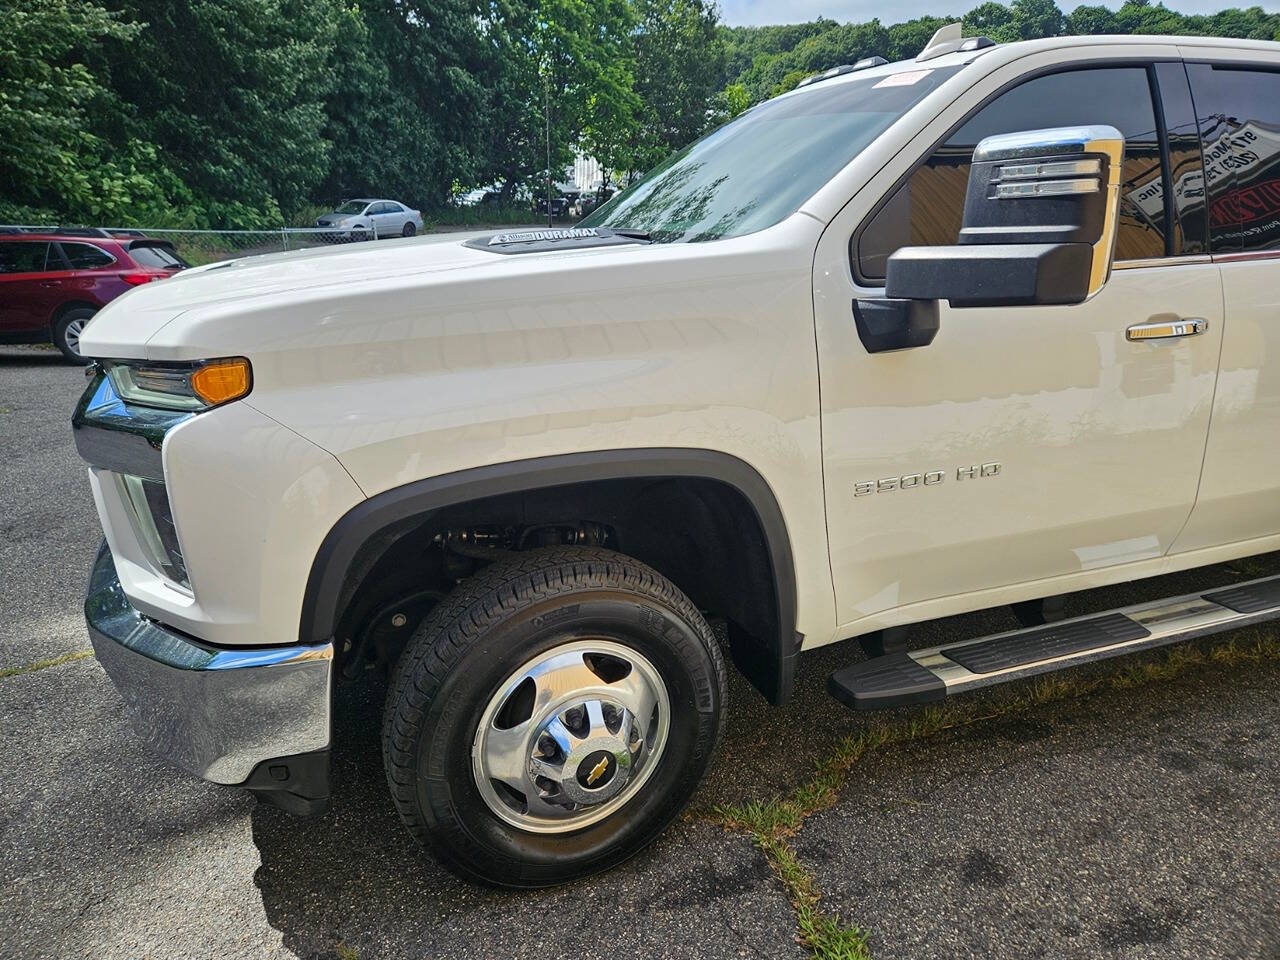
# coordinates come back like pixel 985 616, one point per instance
pixel 129 327
pixel 124 326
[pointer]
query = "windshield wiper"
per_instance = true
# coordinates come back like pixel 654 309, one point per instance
pixel 644 236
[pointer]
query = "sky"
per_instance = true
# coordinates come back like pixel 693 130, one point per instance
pixel 745 12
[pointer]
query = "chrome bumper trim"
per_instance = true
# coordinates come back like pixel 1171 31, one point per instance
pixel 119 437
pixel 215 712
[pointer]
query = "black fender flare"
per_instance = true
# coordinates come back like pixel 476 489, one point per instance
pixel 321 601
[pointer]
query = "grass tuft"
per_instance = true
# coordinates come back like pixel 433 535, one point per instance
pixel 42 664
pixel 819 931
pixel 771 822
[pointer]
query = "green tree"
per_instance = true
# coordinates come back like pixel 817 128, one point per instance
pixel 989 19
pixel 1033 19
pixel 1091 20
pixel 233 94
pixel 679 59
pixel 742 45
pixel 731 101
pixel 909 38
pixel 566 61
pixel 53 166
pixel 239 112
pixel 408 100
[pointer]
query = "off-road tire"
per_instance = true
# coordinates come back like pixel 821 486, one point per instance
pixel 469 645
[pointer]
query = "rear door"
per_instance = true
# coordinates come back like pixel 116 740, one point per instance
pixel 93 274
pixel 1237 98
pixel 396 218
pixel 28 293
pixel 1025 443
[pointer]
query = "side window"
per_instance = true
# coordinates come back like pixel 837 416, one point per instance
pixel 22 257
pixel 380 208
pixel 928 208
pixel 85 256
pixel 1239 113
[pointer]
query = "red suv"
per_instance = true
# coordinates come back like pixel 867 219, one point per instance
pixel 52 283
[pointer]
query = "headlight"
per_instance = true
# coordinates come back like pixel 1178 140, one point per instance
pixel 198 385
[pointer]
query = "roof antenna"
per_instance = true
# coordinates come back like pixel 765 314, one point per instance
pixel 946 40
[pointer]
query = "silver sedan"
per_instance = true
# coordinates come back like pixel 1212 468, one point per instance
pixel 366 219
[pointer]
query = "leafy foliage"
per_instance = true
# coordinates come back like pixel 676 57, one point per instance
pixel 679 61
pixel 51 160
pixel 408 101
pixel 771 60
pixel 233 94
pixel 241 113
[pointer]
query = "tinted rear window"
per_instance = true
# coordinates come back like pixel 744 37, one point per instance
pixel 147 256
pixel 18 257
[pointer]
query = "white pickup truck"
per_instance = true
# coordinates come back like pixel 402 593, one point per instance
pixel 918 338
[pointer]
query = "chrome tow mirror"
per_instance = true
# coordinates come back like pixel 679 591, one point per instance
pixel 1039 224
pixel 1039 227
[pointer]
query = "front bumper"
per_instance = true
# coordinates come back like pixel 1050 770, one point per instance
pixel 256 717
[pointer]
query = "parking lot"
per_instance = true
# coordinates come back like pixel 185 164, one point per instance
pixel 1130 810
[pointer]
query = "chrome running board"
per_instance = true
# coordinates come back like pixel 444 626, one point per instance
pixel 923 676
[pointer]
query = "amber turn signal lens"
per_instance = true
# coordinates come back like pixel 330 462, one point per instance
pixel 222 380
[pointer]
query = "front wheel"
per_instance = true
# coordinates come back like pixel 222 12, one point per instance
pixel 551 716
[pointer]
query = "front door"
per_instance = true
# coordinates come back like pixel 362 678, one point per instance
pixel 27 292
pixel 1024 443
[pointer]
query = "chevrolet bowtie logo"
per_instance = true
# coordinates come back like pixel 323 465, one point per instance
pixel 597 772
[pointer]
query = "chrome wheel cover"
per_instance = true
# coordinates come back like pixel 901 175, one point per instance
pixel 571 736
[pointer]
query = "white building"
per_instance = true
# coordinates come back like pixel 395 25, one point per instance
pixel 586 172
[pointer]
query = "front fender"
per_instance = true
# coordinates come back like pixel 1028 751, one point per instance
pixel 329 584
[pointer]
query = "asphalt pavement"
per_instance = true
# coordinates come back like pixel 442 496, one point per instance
pixel 1128 823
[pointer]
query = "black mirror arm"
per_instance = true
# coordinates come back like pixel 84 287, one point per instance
pixel 895 324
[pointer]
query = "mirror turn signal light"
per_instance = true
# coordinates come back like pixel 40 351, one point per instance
pixel 220 381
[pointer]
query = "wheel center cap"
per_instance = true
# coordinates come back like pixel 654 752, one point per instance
pixel 597 769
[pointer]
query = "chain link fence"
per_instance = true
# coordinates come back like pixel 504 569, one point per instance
pixel 199 247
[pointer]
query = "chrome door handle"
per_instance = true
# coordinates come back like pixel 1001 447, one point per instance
pixel 1166 329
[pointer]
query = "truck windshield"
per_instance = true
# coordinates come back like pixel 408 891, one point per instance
pixel 758 169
